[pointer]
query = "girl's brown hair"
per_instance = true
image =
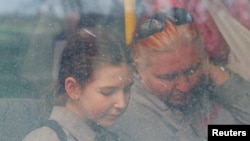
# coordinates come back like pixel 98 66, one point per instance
pixel 84 52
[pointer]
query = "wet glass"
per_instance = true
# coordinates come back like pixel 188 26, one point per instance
pixel 33 33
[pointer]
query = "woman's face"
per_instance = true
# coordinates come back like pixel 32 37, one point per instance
pixel 172 75
pixel 106 95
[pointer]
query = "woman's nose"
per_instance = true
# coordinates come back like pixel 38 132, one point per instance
pixel 182 83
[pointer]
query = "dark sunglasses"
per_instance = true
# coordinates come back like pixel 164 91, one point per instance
pixel 156 23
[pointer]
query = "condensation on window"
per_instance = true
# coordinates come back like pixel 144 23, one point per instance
pixel 33 34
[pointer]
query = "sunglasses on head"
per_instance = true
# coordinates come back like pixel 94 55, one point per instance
pixel 156 23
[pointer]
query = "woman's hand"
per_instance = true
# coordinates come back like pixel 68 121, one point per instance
pixel 218 74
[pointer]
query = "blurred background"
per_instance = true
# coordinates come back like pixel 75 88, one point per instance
pixel 33 31
pixel 29 32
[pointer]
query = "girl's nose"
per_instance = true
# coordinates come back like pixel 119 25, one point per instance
pixel 121 101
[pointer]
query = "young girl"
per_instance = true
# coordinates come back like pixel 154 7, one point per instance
pixel 94 83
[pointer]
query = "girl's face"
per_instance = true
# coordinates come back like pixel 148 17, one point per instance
pixel 106 96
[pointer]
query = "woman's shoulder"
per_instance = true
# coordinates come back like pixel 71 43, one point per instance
pixel 42 134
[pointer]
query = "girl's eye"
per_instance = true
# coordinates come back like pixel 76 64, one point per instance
pixel 106 92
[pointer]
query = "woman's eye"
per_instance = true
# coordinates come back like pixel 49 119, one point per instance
pixel 192 70
pixel 169 77
pixel 189 72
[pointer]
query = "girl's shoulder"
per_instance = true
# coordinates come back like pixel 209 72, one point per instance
pixel 42 134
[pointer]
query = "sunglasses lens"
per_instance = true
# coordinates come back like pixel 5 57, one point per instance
pixel 149 27
pixel 156 23
pixel 179 16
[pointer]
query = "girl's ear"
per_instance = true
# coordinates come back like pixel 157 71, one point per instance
pixel 73 88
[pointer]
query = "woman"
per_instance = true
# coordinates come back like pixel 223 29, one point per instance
pixel 93 89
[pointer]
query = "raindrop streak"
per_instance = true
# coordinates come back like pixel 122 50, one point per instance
pixel 119 77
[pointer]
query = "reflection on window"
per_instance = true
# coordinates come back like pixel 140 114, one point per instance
pixel 29 30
